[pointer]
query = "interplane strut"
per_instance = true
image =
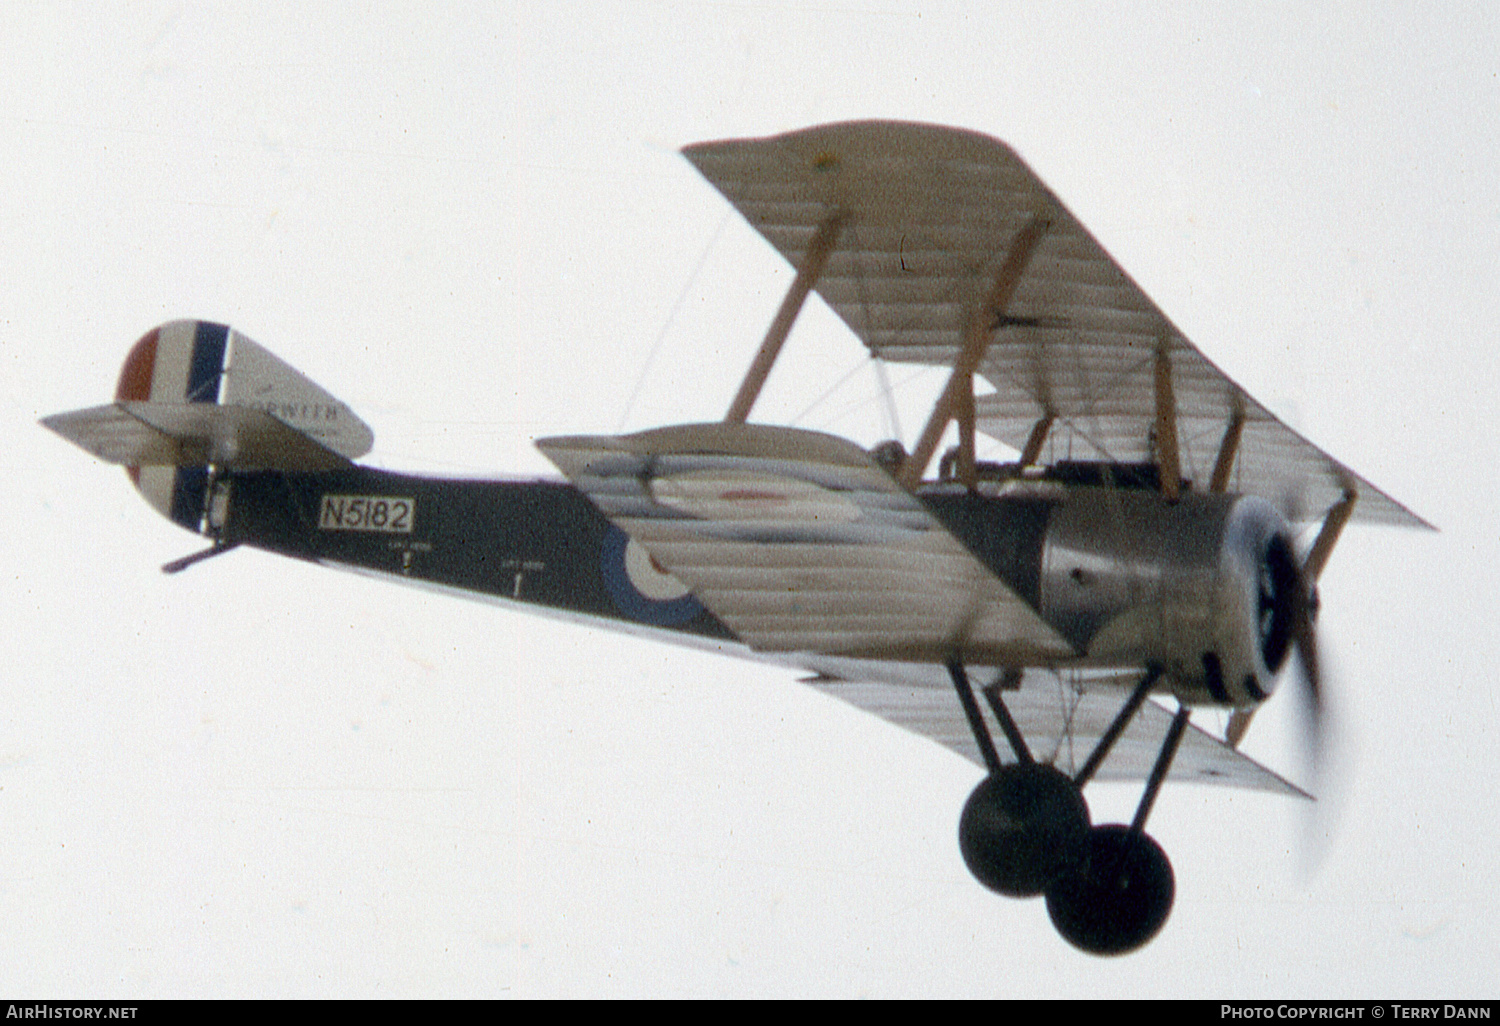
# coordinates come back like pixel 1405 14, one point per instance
pixel 1228 450
pixel 807 277
pixel 1328 534
pixel 976 340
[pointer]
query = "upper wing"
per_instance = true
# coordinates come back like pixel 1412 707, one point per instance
pixel 800 543
pixel 928 218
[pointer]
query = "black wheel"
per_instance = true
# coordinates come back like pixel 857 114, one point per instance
pixel 1118 898
pixel 1022 828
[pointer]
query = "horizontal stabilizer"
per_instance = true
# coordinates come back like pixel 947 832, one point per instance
pixel 144 434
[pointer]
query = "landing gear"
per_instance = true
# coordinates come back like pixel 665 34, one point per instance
pixel 1119 898
pixel 1026 824
pixel 1022 828
pixel 1025 831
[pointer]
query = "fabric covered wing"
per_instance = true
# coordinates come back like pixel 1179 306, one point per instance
pixel 929 215
pixel 1062 718
pixel 799 542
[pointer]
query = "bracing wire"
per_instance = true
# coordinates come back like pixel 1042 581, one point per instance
pixel 840 383
pixel 661 336
pixel 863 399
pixel 889 420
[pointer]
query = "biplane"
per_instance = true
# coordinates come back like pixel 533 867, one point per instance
pixel 1131 563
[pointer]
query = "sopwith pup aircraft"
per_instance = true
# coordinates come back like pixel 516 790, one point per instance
pixel 1133 562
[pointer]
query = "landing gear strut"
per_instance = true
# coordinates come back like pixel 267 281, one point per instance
pixel 1025 831
pixel 1026 824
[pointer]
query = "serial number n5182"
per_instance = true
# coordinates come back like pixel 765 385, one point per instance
pixel 367 513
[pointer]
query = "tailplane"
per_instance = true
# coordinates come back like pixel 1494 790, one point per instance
pixel 195 398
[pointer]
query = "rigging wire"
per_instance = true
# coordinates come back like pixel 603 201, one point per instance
pixel 661 336
pixel 889 421
pixel 840 383
pixel 862 400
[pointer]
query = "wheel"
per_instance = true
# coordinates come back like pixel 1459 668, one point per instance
pixel 1118 898
pixel 1022 828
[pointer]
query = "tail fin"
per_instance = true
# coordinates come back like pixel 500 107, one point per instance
pixel 195 395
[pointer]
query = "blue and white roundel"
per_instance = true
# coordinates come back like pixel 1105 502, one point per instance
pixel 641 589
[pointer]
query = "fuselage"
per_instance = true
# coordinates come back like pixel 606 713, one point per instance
pixel 1126 577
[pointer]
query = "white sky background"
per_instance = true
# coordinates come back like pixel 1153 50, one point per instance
pixel 260 778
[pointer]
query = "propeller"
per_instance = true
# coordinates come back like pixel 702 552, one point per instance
pixel 1304 610
pixel 1320 733
pixel 1288 607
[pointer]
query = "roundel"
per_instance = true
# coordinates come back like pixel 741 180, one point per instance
pixel 640 587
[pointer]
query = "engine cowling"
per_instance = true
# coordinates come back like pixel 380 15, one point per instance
pixel 1204 586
